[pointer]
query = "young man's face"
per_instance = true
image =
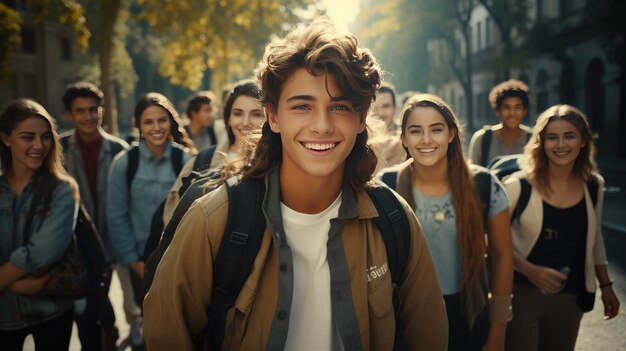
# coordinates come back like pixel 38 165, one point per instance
pixel 204 115
pixel 86 115
pixel 511 112
pixel 384 108
pixel 317 132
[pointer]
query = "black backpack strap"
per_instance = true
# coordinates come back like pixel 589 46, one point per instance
pixel 210 130
pixel 116 148
pixel 485 145
pixel 593 185
pixel 522 200
pixel 163 240
pixel 482 182
pixel 133 164
pixel 203 159
pixel 238 250
pixel 64 140
pixel 390 178
pixel 395 229
pixel 177 159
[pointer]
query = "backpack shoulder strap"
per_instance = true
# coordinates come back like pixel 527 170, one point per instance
pixel 64 140
pixel 238 250
pixel 133 164
pixel 390 178
pixel 482 182
pixel 210 130
pixel 485 145
pixel 522 200
pixel 195 191
pixel 203 159
pixel 177 158
pixel 116 147
pixel 393 225
pixel 593 186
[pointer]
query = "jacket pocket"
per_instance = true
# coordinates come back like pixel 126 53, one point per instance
pixel 238 317
pixel 380 298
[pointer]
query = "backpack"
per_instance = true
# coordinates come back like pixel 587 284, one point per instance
pixel 504 166
pixel 242 238
pixel 210 131
pixel 485 145
pixel 203 161
pixel 90 250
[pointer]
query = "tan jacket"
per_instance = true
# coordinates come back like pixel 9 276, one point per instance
pixel 526 229
pixel 175 306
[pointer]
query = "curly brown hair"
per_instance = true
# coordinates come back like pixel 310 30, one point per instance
pixel 320 50
pixel 509 88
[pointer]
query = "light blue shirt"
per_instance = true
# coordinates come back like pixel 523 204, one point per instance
pixel 129 218
pixel 437 217
pixel 49 238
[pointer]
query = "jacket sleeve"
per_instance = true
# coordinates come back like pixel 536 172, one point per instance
pixel 175 306
pixel 50 239
pixel 423 311
pixel 599 251
pixel 118 213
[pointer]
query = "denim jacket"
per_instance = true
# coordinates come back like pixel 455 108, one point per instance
pixel 129 218
pixel 76 166
pixel 50 236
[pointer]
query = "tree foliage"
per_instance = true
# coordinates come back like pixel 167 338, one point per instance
pixel 225 37
pixel 68 12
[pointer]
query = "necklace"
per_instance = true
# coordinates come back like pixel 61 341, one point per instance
pixel 439 216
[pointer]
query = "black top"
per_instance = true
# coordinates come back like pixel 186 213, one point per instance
pixel 562 242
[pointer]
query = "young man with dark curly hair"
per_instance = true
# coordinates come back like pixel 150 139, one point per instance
pixel 509 100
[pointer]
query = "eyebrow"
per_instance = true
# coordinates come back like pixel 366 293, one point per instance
pixel 432 125
pixel 311 98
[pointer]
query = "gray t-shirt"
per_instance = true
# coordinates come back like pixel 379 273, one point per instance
pixel 496 146
pixel 437 217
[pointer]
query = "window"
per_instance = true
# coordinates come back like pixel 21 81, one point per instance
pixel 66 49
pixel 28 41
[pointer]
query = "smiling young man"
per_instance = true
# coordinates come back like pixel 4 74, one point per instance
pixel 320 280
pixel 509 99
pixel 88 151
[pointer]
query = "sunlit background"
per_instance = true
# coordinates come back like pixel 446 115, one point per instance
pixel 566 51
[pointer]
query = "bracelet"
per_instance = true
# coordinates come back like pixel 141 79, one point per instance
pixel 605 285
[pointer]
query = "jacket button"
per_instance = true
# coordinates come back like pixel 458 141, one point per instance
pixel 281 315
pixel 283 267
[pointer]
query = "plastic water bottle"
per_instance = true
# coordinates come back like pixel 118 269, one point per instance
pixel 565 270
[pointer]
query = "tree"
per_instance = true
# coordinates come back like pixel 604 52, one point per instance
pixel 112 67
pixel 68 12
pixel 225 37
pixel 511 18
pixel 394 31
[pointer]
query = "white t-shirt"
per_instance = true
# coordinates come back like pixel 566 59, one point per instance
pixel 311 324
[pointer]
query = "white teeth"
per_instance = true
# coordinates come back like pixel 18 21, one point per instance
pixel 319 147
pixel 34 155
pixel 427 150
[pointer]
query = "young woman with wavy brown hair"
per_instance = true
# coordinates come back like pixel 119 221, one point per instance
pixel 33 179
pixel 558 249
pixel 444 192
